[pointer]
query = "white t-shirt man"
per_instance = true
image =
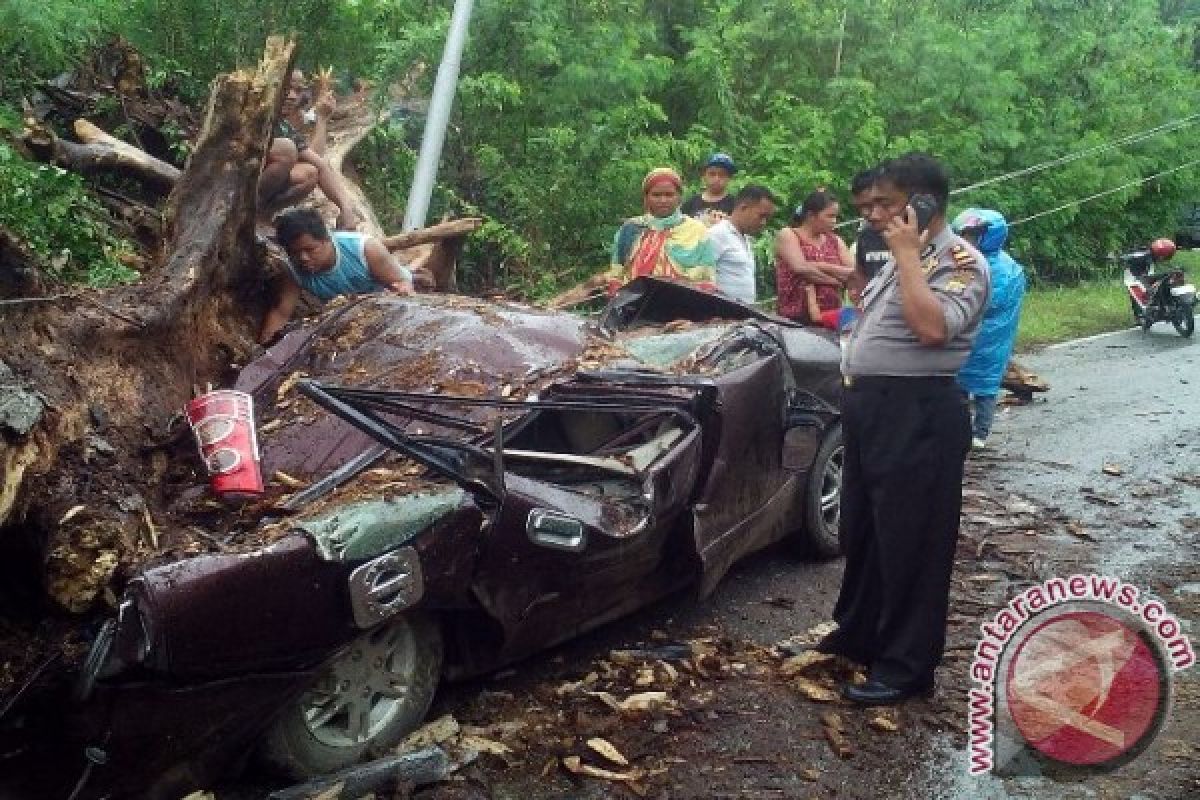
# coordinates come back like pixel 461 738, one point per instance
pixel 735 261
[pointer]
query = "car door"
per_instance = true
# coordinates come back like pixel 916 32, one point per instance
pixel 559 560
pixel 748 498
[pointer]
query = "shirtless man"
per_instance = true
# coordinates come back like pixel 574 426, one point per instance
pixel 294 166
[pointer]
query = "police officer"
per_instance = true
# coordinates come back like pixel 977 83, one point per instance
pixel 907 434
pixel 870 250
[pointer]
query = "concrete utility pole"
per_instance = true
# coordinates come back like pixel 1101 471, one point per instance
pixel 437 119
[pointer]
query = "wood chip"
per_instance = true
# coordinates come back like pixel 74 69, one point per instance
pixel 72 512
pixel 606 750
pixel 1077 530
pixel 442 729
pixel 884 721
pixel 286 385
pixel 575 765
pixel 481 744
pixel 645 701
pixel 151 531
pixel 839 743
pixel 809 658
pixel 288 481
pixel 815 691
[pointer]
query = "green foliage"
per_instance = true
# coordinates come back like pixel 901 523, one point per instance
pixel 51 212
pixel 563 106
pixel 39 38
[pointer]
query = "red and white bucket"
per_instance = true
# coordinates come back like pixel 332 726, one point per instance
pixel 223 422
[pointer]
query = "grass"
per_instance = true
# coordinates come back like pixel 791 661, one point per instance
pixel 1056 314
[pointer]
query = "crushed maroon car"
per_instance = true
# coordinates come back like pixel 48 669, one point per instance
pixel 453 484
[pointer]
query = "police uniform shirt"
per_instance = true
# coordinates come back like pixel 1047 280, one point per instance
pixel 870 251
pixel 882 343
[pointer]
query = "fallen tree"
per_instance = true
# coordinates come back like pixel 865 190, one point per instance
pixel 97 476
pixel 97 151
pixel 90 380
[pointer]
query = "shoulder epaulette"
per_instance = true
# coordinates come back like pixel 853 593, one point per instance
pixel 962 256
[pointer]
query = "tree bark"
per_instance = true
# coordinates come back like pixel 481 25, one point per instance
pixel 434 233
pixel 85 490
pixel 19 273
pixel 99 152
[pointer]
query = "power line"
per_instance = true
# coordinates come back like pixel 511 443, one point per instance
pixel 1166 127
pixel 1064 206
pixel 1106 192
pixel 1149 133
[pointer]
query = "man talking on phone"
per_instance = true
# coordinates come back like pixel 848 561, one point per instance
pixel 907 434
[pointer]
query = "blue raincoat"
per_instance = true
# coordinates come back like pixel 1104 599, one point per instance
pixel 984 368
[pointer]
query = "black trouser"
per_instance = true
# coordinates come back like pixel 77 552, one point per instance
pixel 906 441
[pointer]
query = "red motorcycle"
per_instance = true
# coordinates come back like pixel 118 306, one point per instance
pixel 1159 296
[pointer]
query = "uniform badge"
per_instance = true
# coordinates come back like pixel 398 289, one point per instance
pixel 962 256
pixel 960 279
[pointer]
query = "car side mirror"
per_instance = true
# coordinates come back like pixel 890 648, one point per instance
pixel 555 530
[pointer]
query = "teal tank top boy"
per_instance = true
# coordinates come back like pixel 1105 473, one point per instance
pixel 349 274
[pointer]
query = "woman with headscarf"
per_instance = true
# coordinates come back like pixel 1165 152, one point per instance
pixel 983 371
pixel 809 254
pixel 662 243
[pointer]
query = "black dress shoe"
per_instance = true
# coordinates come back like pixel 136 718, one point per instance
pixel 874 693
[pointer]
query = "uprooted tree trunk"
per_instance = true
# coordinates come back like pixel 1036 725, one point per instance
pixel 90 380
pixel 96 151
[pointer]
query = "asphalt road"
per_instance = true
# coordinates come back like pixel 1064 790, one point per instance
pixel 1129 400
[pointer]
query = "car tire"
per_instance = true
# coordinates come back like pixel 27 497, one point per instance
pixel 823 498
pixel 325 730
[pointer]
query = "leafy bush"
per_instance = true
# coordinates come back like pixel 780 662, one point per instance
pixel 40 38
pixel 51 212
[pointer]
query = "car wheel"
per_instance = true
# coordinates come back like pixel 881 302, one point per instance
pixel 823 497
pixel 1184 321
pixel 363 703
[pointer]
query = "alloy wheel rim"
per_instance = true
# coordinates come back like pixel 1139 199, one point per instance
pixel 831 490
pixel 364 689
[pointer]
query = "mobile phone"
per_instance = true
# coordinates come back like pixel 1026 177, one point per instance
pixel 925 207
